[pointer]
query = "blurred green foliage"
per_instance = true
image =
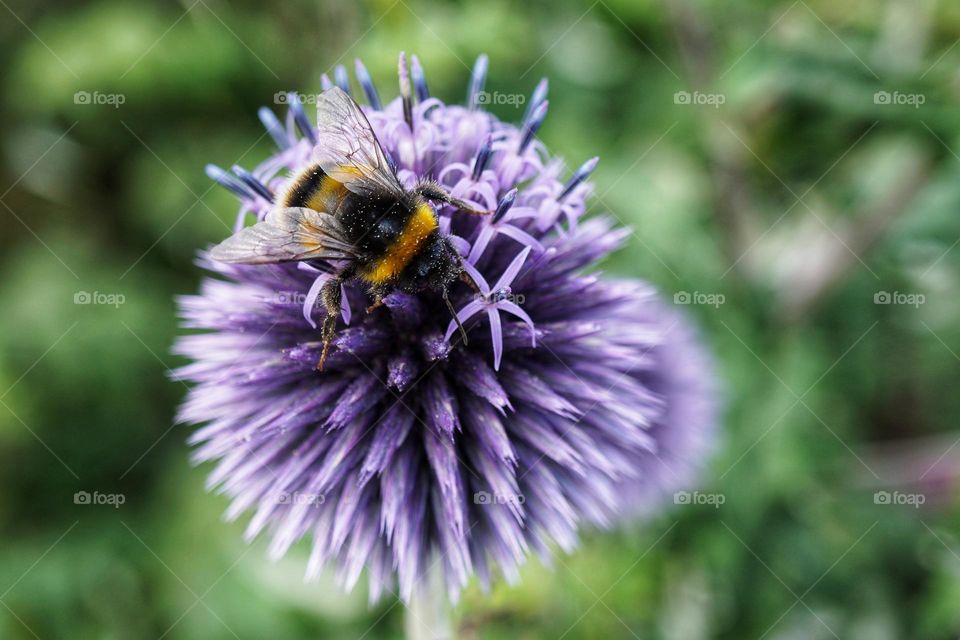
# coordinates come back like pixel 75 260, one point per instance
pixel 800 198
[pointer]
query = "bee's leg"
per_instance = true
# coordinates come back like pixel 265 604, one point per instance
pixel 331 296
pixel 465 277
pixel 379 293
pixel 433 191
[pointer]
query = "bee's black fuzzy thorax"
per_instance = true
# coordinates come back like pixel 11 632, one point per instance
pixel 436 266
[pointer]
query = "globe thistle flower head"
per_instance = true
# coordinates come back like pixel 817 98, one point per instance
pixel 413 448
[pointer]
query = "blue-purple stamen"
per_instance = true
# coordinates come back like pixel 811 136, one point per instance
pixel 341 78
pixel 325 83
pixel 366 82
pixel 405 92
pixel 419 79
pixel 228 181
pixel 531 126
pixel 391 161
pixel 478 78
pixel 579 176
pixel 300 117
pixel 251 181
pixel 273 126
pixel 483 157
pixel 539 95
pixel 504 205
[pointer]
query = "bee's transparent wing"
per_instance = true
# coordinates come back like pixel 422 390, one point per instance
pixel 287 234
pixel 348 150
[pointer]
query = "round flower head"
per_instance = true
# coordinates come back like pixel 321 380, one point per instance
pixel 575 400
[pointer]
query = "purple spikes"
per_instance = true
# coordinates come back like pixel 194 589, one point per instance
pixel 504 205
pixel 341 78
pixel 419 79
pixel 228 181
pixel 273 126
pixel 579 176
pixel 366 82
pixel 483 157
pixel 300 117
pixel 478 79
pixel 532 125
pixel 255 185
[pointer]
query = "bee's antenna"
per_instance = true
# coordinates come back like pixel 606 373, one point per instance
pixel 453 312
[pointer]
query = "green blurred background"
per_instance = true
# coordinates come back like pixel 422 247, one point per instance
pixel 789 168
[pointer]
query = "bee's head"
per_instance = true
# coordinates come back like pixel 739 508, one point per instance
pixel 436 266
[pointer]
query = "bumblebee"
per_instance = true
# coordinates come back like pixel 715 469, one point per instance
pixel 349 207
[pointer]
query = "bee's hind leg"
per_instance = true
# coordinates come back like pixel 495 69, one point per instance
pixel 433 191
pixel 378 292
pixel 332 302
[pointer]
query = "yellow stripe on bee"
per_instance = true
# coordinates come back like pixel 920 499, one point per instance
pixel 418 228
pixel 328 196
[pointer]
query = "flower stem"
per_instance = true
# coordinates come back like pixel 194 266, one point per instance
pixel 428 616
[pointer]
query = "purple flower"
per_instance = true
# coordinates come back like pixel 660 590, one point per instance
pixel 578 400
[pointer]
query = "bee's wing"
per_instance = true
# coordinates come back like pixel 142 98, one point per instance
pixel 348 150
pixel 287 234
